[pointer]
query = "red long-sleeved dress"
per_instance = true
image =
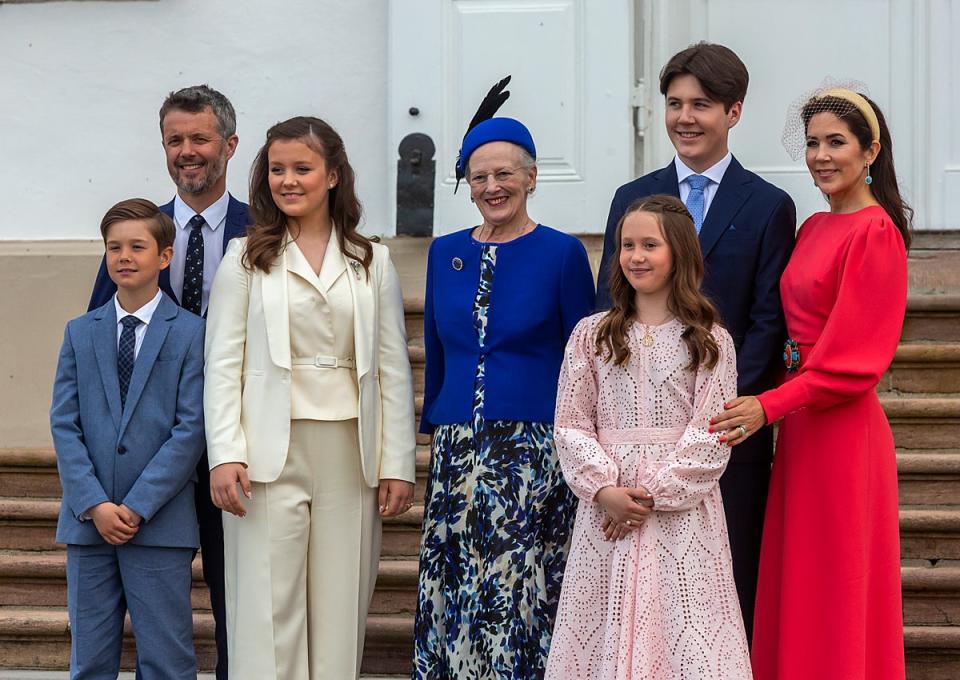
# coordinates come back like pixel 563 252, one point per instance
pixel 828 598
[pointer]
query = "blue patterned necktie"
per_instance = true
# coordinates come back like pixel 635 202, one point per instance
pixel 126 355
pixel 696 200
pixel 192 298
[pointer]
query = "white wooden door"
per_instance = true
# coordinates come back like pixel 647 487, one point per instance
pixel 789 47
pixel 571 63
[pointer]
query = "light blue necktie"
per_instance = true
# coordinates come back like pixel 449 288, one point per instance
pixel 696 200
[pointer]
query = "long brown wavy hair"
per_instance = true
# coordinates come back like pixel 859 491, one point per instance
pixel 266 237
pixel 686 301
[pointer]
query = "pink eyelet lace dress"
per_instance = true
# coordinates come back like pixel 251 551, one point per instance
pixel 661 603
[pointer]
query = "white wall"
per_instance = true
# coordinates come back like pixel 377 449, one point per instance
pixel 906 51
pixel 81 84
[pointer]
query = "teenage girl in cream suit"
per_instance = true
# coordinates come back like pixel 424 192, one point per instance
pixel 309 411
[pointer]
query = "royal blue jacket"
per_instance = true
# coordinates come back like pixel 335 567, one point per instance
pixel 542 286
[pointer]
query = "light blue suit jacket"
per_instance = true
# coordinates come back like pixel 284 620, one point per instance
pixel 144 456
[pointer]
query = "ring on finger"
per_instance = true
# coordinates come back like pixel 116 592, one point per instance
pixel 743 430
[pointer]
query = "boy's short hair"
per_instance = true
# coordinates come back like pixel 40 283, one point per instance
pixel 721 73
pixel 159 223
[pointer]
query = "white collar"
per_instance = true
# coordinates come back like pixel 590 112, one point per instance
pixel 214 215
pixel 145 313
pixel 714 173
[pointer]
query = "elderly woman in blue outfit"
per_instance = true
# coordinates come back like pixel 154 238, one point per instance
pixel 501 300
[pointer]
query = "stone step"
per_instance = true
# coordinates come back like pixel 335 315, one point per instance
pixel 923 422
pixel 924 368
pixel 933 652
pixel 932 318
pixel 930 532
pixel 39 637
pixel 32 473
pixel 929 477
pixel 29 473
pixel 38 579
pixel 931 595
pixel 30 524
pixel 35 638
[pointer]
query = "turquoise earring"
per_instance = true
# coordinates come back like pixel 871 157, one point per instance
pixel 868 179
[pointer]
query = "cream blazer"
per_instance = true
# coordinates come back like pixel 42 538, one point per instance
pixel 246 399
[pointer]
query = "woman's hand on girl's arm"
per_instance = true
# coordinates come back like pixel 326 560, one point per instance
pixel 741 417
pixel 223 487
pixel 395 497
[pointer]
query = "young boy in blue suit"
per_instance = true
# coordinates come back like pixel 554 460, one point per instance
pixel 127 424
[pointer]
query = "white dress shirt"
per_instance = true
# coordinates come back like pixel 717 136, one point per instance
pixel 145 314
pixel 212 232
pixel 714 174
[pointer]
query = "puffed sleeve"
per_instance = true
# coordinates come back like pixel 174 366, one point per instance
pixel 699 458
pixel 861 335
pixel 586 466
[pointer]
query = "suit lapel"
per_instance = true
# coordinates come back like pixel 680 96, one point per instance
pixel 156 333
pixel 167 209
pixel 105 349
pixel 238 218
pixel 165 284
pixel 362 292
pixel 665 182
pixel 276 314
pixel 733 191
pixel 334 265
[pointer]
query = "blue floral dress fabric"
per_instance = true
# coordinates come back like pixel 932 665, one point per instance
pixel 497 522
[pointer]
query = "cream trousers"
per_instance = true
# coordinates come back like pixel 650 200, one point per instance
pixel 302 564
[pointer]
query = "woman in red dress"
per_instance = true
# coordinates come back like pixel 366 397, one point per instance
pixel 828 599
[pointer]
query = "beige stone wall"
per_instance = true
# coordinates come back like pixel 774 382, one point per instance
pixel 43 284
pixel 46 283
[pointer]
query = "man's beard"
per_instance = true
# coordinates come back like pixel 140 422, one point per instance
pixel 214 171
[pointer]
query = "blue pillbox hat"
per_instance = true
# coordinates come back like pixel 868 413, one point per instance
pixel 495 130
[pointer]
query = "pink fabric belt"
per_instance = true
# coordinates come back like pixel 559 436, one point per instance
pixel 641 435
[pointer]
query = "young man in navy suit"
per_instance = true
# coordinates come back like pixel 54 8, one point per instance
pixel 127 424
pixel 198 128
pixel 746 227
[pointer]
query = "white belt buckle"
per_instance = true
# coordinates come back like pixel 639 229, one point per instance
pixel 324 362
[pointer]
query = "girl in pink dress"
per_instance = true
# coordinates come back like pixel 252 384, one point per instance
pixel 648 590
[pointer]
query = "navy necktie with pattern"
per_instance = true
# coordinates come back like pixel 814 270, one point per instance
pixel 192 298
pixel 126 354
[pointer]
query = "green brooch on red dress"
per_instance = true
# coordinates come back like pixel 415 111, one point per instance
pixel 791 355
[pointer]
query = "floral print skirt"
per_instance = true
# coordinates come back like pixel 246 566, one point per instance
pixel 497 522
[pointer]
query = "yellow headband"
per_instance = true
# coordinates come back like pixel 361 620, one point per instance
pixel 863 106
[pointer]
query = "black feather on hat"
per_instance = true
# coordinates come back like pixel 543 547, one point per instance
pixel 488 107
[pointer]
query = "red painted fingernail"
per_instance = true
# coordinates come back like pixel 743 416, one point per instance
pixel 710 430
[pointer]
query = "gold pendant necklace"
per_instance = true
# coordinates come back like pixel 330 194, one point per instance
pixel 647 338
